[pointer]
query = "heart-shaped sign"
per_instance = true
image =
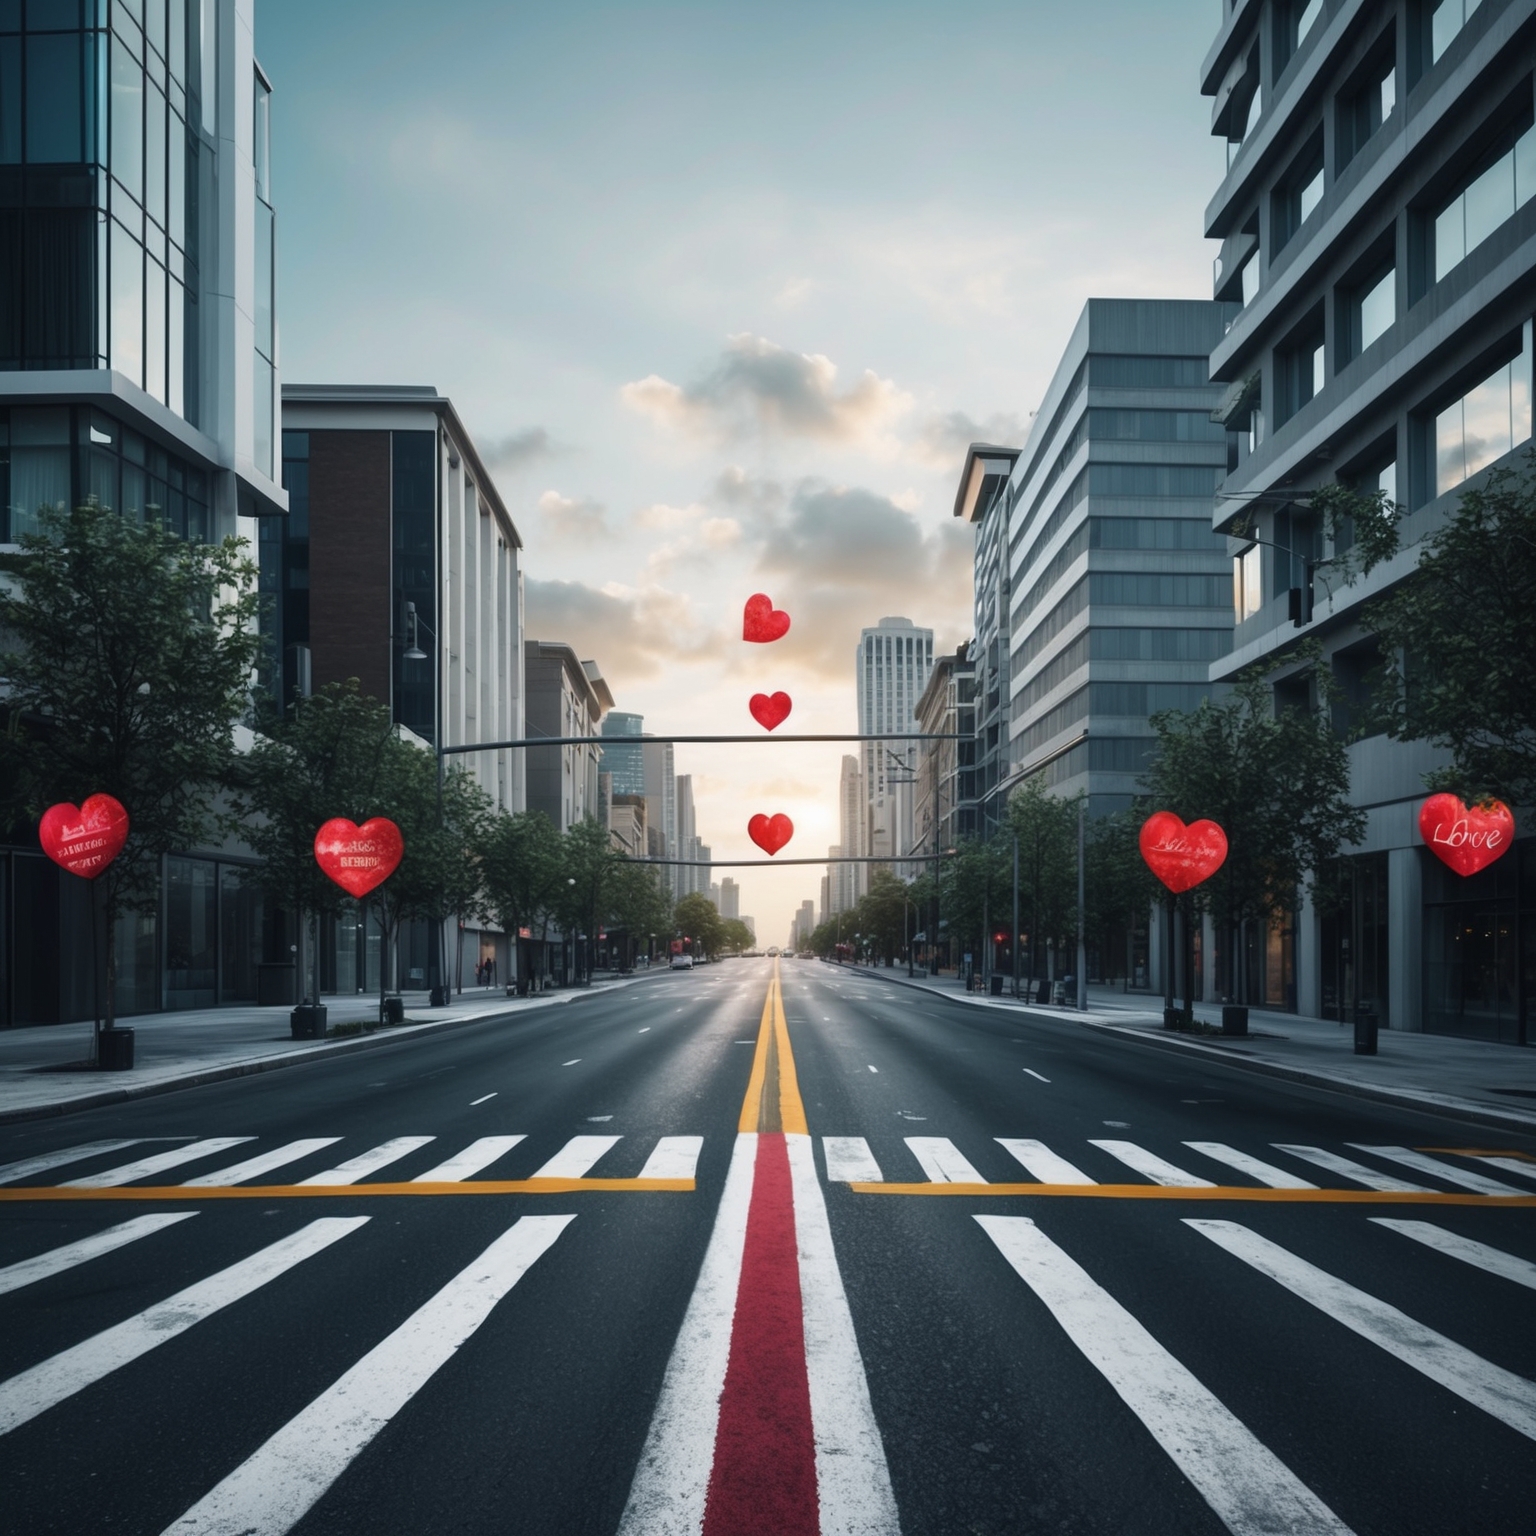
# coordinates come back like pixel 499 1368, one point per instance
pixel 356 857
pixel 84 839
pixel 770 833
pixel 770 710
pixel 761 621
pixel 1468 838
pixel 1181 857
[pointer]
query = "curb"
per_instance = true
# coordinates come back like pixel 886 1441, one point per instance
pixel 251 1066
pixel 1403 1098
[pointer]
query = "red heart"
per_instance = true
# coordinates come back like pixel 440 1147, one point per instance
pixel 1181 857
pixel 356 857
pixel 1468 838
pixel 770 711
pixel 761 621
pixel 84 839
pixel 770 833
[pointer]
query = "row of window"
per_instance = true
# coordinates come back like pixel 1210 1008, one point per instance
pixel 1131 700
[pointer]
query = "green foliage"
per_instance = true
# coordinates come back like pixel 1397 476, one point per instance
pixel 520 861
pixel 1362 526
pixel 1119 888
pixel 1046 827
pixel 1459 638
pixel 736 935
pixel 977 883
pixel 695 918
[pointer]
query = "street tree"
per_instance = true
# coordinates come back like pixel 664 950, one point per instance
pixel 1046 828
pixel 587 862
pixel 638 906
pixel 520 863
pixel 1119 889
pixel 128 661
pixel 695 918
pixel 977 890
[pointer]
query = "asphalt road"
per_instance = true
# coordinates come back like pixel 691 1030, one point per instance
pixel 1101 1328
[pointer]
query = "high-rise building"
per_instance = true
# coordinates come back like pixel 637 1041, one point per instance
pixel 850 881
pixel 624 757
pixel 661 808
pixel 891 667
pixel 566 697
pixel 1378 229
pixel 730 898
pixel 803 926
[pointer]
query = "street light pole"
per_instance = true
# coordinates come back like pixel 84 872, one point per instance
pixel 1082 907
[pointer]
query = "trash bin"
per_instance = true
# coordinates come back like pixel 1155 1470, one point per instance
pixel 997 984
pixel 1365 1031
pixel 307 1021
pixel 394 1010
pixel 115 1050
pixel 1176 1018
pixel 1234 1019
pixel 1043 992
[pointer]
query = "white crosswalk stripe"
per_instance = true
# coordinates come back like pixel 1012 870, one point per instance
pixel 675 1157
pixel 263 1162
pixel 1478 1183
pixel 1251 1491
pixel 57 1260
pixel 27 1166
pixel 1507 1164
pixel 849 1161
pixel 1150 1165
pixel 476 1156
pixel 273 1490
pixel 33 1391
pixel 577 1157
pixel 1255 1168
pixel 371 1161
pixel 1508 1397
pixel 1494 1260
pixel 1348 1168
pixel 942 1161
pixel 1041 1163
pixel 158 1162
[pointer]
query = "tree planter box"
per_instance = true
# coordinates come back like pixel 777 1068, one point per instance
pixel 1234 1019
pixel 115 1050
pixel 307 1021
pixel 1177 1018
pixel 394 1010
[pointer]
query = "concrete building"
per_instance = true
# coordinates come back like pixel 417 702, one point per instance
pixel 945 809
pixel 730 898
pixel 850 881
pixel 891 670
pixel 656 759
pixel 803 926
pixel 566 697
pixel 624 758
pixel 1378 229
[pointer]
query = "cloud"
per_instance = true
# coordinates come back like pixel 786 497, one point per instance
pixel 759 386
pixel 659 516
pixel 566 517
pixel 519 450
pixel 942 440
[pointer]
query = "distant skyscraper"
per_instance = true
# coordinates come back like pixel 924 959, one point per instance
pixel 661 807
pixel 848 880
pixel 625 758
pixel 894 660
pixel 730 898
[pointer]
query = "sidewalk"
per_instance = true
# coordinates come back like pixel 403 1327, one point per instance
pixel 40 1073
pixel 1477 1080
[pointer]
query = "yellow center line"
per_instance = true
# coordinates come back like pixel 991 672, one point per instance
pixel 1524 1157
pixel 1182 1192
pixel 773 1100
pixel 341 1191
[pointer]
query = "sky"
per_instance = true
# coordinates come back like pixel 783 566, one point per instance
pixel 722 292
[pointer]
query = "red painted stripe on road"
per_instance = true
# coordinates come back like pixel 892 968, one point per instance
pixel 764 1474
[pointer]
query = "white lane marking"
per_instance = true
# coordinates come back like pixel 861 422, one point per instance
pixel 264 1162
pixel 874 1069
pixel 1250 1489
pixel 1150 1165
pixel 1508 1397
pixel 577 1156
pixel 746 1042
pixel 142 1168
pixel 273 1490
pixel 1255 1168
pixel 853 1482
pixel 942 1160
pixel 1494 1260
pixel 1478 1183
pixel 849 1161
pixel 484 1098
pixel 10 1172
pixel 480 1153
pixel 1033 1073
pixel 34 1391
pixel 1508 1164
pixel 371 1161
pixel 1041 1163
pixel 1347 1168
pixel 675 1157
pixel 572 1062
pixel 57 1260
pixel 645 1031
pixel 667 1495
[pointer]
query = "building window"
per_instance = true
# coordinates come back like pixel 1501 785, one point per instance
pixel 1294 21
pixel 1490 420
pixel 1248 583
pixel 1367 313
pixel 1484 203
pixel 1446 20
pixel 1293 202
pixel 1369 103
pixel 1300 370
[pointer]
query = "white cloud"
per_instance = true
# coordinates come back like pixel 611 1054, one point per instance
pixel 567 517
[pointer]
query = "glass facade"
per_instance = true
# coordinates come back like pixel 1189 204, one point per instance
pixel 99 241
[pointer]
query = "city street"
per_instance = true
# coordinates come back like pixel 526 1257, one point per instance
pixel 965 1272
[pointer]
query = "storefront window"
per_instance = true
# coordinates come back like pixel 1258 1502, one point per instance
pixel 1353 906
pixel 191 934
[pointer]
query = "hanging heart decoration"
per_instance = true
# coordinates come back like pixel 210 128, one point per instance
pixel 770 833
pixel 1181 857
pixel 761 622
pixel 770 710
pixel 356 857
pixel 1466 837
pixel 84 839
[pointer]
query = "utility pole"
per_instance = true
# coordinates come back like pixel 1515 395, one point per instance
pixel 1082 905
pixel 1015 914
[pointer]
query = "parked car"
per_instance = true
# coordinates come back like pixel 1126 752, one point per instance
pixel 681 963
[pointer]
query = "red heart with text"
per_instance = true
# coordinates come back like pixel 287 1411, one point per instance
pixel 770 710
pixel 1181 857
pixel 761 621
pixel 770 833
pixel 1468 838
pixel 84 839
pixel 356 857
